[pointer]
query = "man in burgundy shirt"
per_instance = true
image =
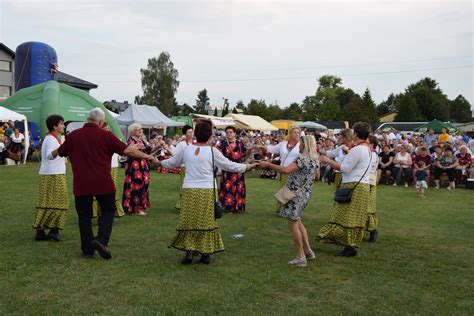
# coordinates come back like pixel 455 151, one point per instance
pixel 90 151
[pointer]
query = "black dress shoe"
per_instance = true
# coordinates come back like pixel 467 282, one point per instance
pixel 103 251
pixel 40 235
pixel 188 258
pixel 373 236
pixel 205 259
pixel 347 252
pixel 54 235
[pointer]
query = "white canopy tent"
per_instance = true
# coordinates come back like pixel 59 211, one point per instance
pixel 313 125
pixel 9 115
pixel 251 122
pixel 146 116
pixel 219 122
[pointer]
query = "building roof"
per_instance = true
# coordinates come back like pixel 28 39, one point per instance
pixel 8 50
pixel 387 114
pixel 119 106
pixel 75 82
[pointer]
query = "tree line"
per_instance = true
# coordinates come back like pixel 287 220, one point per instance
pixel 421 101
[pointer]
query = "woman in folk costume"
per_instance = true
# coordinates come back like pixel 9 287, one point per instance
pixel 348 221
pixel 53 200
pixel 188 140
pixel 372 220
pixel 197 230
pixel 232 187
pixel 288 151
pixel 114 171
pixel 339 153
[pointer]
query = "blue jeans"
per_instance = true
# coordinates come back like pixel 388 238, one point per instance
pixel 401 174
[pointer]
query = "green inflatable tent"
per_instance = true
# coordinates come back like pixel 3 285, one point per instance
pixel 40 101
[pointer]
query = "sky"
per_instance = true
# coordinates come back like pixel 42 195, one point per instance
pixel 243 50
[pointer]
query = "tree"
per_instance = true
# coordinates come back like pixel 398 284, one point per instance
pixel 407 109
pixel 431 102
pixel 356 111
pixel 310 107
pixel 257 107
pixel 186 110
pixel 215 111
pixel 460 110
pixel 293 112
pixel 329 81
pixel 241 106
pixel 159 84
pixel 387 106
pixel 202 102
pixel 274 112
pixel 225 110
pixel 369 107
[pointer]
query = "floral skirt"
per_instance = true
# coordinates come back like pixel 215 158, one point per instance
pixel 119 212
pixel 337 180
pixel 372 220
pixel 348 221
pixel 53 202
pixel 197 228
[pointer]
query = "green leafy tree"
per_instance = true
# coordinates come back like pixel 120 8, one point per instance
pixel 225 110
pixel 370 109
pixel 159 84
pixel 460 110
pixel 310 107
pixel 186 109
pixel 387 106
pixel 257 107
pixel 274 112
pixel 431 102
pixel 215 111
pixel 202 102
pixel 329 81
pixel 293 112
pixel 356 110
pixel 407 109
pixel 241 106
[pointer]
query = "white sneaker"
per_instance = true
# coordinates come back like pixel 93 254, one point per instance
pixel 406 185
pixel 298 262
pixel 311 255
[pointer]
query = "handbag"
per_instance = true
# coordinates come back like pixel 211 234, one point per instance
pixel 344 195
pixel 217 204
pixel 285 195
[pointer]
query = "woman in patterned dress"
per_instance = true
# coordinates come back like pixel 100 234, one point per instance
pixel 53 202
pixel 464 165
pixel 137 176
pixel 197 230
pixel 302 173
pixel 232 187
pixel 348 221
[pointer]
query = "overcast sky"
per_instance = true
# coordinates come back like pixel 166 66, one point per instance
pixel 271 50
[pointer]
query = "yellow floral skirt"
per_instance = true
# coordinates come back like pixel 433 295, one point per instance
pixel 372 220
pixel 119 212
pixel 348 221
pixel 197 228
pixel 53 202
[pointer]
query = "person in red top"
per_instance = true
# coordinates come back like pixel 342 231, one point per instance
pixel 90 151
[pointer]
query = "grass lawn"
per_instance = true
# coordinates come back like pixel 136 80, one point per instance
pixel 422 262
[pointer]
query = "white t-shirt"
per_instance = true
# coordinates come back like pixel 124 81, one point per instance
pixel 355 164
pixel 18 139
pixel 179 147
pixel 402 159
pixel 286 157
pixel 199 167
pixel 115 161
pixel 55 166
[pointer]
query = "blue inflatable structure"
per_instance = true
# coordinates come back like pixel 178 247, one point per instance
pixel 35 63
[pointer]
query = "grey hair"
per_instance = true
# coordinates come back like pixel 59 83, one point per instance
pixel 96 115
pixel 295 127
pixel 133 127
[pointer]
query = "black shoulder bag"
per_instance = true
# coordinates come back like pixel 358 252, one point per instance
pixel 344 195
pixel 217 204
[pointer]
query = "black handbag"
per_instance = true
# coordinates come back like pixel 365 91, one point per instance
pixel 344 195
pixel 218 211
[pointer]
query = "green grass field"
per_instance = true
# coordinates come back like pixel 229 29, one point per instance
pixel 421 264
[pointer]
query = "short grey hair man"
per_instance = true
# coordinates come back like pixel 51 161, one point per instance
pixel 96 115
